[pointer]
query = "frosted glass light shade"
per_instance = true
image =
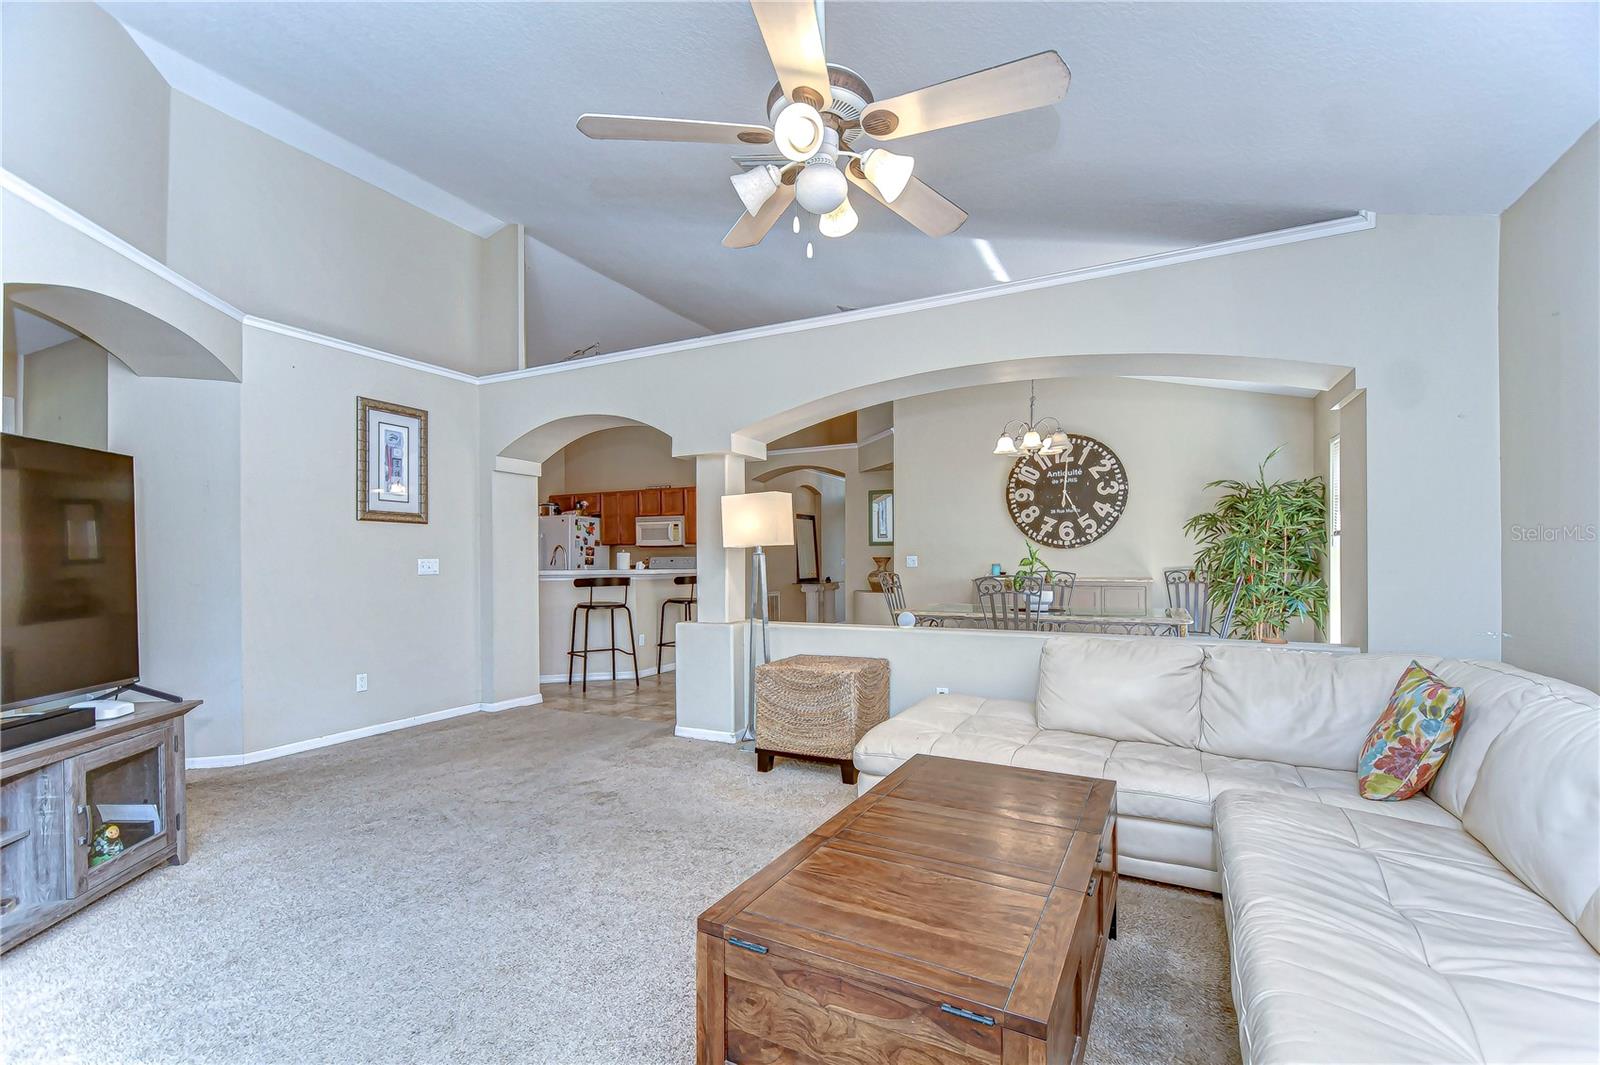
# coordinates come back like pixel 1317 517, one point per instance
pixel 839 221
pixel 1031 440
pixel 756 186
pixel 887 171
pixel 1005 445
pixel 821 187
pixel 758 519
pixel 798 132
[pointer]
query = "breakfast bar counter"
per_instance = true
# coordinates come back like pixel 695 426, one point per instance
pixel 648 590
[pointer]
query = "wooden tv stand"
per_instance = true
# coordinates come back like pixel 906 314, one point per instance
pixel 51 798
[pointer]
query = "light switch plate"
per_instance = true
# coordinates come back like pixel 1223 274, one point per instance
pixel 361 682
pixel 911 562
pixel 427 567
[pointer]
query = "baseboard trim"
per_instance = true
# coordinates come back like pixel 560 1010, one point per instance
pixel 705 734
pixel 227 761
pixel 561 678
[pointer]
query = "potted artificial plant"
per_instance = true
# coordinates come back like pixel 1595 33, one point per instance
pixel 1031 565
pixel 1274 535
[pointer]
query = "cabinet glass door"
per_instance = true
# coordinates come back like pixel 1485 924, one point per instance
pixel 121 795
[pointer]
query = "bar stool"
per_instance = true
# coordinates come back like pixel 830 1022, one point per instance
pixel 610 606
pixel 688 604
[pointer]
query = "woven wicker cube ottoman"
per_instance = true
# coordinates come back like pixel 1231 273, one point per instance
pixel 817 707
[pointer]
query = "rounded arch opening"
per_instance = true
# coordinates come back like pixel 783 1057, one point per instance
pixel 147 343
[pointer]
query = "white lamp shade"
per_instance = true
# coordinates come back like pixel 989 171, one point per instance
pixel 887 171
pixel 1031 441
pixel 756 186
pixel 1005 445
pixel 839 221
pixel 798 132
pixel 758 519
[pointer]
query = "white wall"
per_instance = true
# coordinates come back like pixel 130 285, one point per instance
pixel 631 456
pixel 1550 431
pixel 325 596
pixel 950 506
pixel 64 394
pixel 569 306
pixel 288 237
pixel 85 116
pixel 184 439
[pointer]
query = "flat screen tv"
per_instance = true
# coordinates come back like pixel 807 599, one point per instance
pixel 69 610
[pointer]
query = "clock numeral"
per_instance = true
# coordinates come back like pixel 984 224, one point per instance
pixel 1046 523
pixel 1090 526
pixel 1022 495
pixel 1105 510
pixel 1108 488
pixel 1028 473
pixel 1104 466
pixel 1088 449
pixel 1028 514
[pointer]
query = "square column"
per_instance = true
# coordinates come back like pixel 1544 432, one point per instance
pixel 722 583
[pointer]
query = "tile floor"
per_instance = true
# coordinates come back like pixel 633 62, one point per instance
pixel 655 699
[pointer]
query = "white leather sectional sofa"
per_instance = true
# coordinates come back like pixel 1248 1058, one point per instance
pixel 1458 925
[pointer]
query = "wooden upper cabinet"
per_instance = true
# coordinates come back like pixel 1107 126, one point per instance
pixel 672 501
pixel 617 511
pixel 650 503
pixel 688 516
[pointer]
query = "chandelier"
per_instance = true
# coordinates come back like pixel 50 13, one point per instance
pixel 1043 436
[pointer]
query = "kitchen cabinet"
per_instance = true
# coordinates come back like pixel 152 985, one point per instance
pixel 617 513
pixel 672 501
pixel 650 503
pixel 688 516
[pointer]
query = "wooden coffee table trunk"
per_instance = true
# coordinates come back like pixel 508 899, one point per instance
pixel 957 912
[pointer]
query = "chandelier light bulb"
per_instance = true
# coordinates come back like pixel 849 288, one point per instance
pixel 839 221
pixel 798 131
pixel 821 187
pixel 888 172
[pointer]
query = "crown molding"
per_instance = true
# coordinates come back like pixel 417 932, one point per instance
pixel 296 333
pixel 1355 223
pixel 196 80
pixel 53 207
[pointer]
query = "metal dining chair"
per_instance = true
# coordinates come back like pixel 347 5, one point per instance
pixel 1010 602
pixel 894 598
pixel 1226 626
pixel 1061 585
pixel 1192 594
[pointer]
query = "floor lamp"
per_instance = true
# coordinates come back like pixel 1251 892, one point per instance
pixel 758 520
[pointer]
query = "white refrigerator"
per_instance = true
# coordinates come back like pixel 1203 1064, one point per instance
pixel 570 541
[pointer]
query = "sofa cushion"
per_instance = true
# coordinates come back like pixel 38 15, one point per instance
pixel 952 726
pixel 1536 805
pixel 1300 707
pixel 1411 738
pixel 1146 690
pixel 1496 694
pixel 1360 937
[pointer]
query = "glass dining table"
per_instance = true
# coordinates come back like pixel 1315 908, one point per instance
pixel 1169 621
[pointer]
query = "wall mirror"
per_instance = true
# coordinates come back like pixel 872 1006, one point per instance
pixel 805 548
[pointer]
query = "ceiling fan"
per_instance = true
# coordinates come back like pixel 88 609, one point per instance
pixel 819 111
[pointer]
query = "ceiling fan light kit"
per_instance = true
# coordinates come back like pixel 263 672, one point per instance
pixel 819 110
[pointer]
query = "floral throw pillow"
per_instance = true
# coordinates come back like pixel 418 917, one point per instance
pixel 1411 738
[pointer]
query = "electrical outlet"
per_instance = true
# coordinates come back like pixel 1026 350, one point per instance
pixel 641 639
pixel 911 562
pixel 361 682
pixel 427 567
pixel 941 690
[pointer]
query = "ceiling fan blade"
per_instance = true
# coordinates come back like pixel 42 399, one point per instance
pixel 638 128
pixel 1036 81
pixel 793 34
pixel 747 232
pixel 917 204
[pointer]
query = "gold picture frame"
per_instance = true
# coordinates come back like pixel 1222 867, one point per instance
pixel 391 462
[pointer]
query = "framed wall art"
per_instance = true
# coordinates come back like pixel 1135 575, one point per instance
pixel 880 517
pixel 391 462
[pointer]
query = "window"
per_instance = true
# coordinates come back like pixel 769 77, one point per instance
pixel 1335 521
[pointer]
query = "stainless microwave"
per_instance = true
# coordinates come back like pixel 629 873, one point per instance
pixel 658 532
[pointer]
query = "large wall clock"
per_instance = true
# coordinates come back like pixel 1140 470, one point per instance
pixel 1070 499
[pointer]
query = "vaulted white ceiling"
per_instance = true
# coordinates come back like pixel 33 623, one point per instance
pixel 1185 124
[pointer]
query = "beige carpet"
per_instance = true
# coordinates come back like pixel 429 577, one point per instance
pixel 512 887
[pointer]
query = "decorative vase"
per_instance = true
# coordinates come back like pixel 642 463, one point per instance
pixel 879 565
